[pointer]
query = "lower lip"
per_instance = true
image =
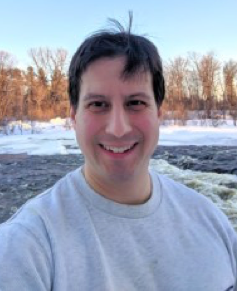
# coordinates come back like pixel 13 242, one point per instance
pixel 119 155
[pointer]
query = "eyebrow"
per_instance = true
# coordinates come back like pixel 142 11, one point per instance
pixel 91 96
pixel 139 94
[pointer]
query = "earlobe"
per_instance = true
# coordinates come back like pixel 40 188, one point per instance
pixel 159 113
pixel 73 116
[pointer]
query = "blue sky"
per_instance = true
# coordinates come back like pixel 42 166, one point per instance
pixel 175 26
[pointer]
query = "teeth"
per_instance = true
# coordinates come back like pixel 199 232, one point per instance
pixel 116 149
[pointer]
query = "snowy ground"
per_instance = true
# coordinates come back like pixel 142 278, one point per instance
pixel 56 137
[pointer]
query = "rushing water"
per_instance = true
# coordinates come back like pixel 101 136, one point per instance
pixel 220 188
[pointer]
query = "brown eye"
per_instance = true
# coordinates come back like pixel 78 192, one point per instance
pixel 98 106
pixel 136 105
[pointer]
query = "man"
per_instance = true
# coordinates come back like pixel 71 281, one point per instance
pixel 114 224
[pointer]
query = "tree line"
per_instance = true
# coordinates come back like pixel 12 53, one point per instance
pixel 37 93
pixel 197 87
pixel 201 87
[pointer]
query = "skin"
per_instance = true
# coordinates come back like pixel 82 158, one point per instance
pixel 115 113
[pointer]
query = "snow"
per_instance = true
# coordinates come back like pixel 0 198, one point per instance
pixel 198 135
pixel 57 137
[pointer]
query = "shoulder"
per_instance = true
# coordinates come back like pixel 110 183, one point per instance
pixel 25 258
pixel 196 207
pixel 176 190
pixel 57 201
pixel 181 196
pixel 193 210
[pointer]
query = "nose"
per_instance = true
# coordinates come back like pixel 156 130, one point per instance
pixel 118 122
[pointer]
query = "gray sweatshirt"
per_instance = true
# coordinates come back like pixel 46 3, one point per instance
pixel 71 238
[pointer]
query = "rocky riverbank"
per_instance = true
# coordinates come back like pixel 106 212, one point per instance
pixel 23 177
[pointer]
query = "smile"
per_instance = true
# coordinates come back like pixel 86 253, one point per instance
pixel 118 150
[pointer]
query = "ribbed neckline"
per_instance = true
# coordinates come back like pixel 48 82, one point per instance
pixel 116 209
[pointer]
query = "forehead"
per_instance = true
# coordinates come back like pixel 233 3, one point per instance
pixel 108 71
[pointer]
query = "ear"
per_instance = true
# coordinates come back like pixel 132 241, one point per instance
pixel 73 116
pixel 159 112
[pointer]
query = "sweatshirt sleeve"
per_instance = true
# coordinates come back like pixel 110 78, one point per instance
pixel 233 254
pixel 24 260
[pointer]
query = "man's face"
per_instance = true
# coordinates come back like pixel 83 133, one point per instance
pixel 116 122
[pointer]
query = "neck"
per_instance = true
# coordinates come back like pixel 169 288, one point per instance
pixel 136 190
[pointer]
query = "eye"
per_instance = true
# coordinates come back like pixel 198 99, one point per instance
pixel 98 106
pixel 136 105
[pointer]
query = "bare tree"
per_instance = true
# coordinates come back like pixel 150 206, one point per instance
pixel 177 90
pixel 207 68
pixel 230 94
pixel 49 60
pixel 7 60
pixel 6 63
pixel 30 92
pixel 52 80
pixel 17 93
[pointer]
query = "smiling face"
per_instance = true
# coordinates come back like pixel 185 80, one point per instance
pixel 116 122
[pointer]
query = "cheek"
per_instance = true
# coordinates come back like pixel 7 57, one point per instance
pixel 149 126
pixel 87 128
